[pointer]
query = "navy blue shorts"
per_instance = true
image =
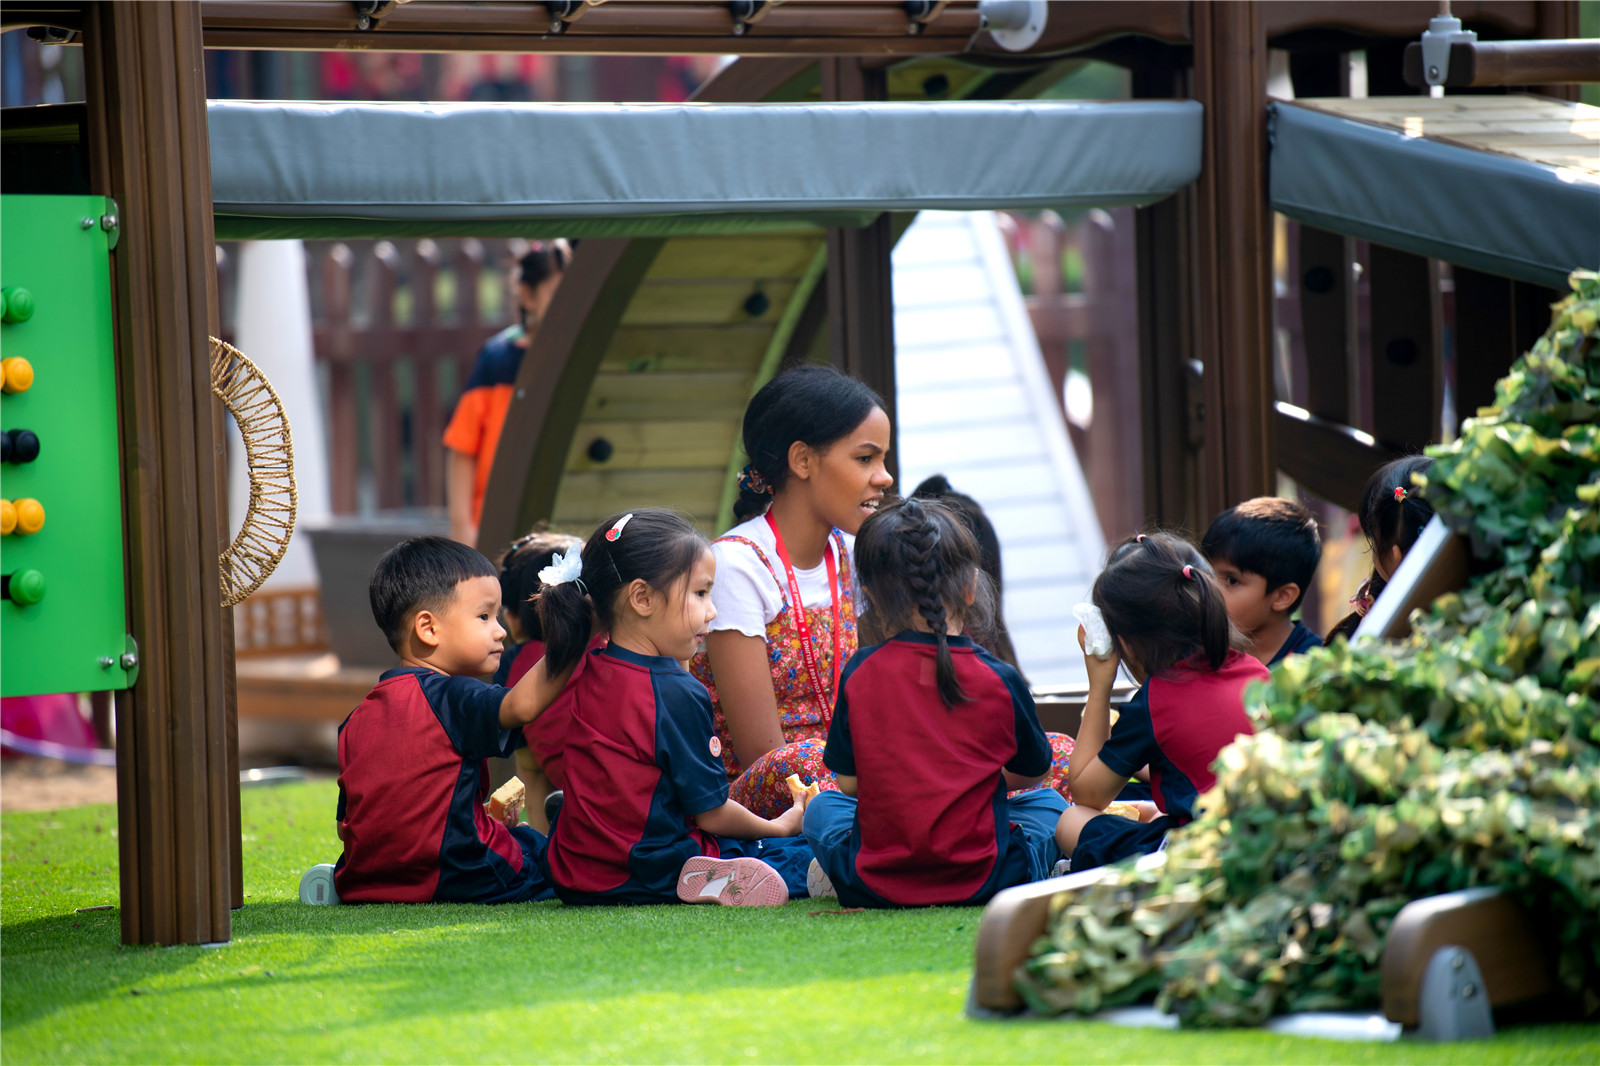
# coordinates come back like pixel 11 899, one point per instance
pixel 1110 838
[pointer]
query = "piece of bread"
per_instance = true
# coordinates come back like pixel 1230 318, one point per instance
pixel 1125 809
pixel 505 805
pixel 801 791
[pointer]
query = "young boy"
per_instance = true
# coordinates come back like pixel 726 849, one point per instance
pixel 412 770
pixel 1265 553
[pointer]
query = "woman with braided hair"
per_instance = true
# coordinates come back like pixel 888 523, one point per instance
pixel 929 735
pixel 785 592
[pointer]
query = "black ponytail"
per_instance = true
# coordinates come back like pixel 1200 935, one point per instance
pixel 657 546
pixel 815 405
pixel 519 575
pixel 917 559
pixel 1160 599
pixel 1393 510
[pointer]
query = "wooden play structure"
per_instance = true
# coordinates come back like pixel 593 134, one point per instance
pixel 699 299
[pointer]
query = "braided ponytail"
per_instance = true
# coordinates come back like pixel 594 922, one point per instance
pixel 918 561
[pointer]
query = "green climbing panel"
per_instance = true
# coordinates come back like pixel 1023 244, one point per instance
pixel 63 624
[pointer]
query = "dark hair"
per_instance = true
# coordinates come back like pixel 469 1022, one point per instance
pixel 816 405
pixel 519 575
pixel 656 546
pixel 915 557
pixel 420 574
pixel 994 635
pixel 543 260
pixel 1270 536
pixel 1389 522
pixel 1162 614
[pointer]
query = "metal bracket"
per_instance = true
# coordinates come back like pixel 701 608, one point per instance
pixel 1442 32
pixel 1453 1004
pixel 130 659
pixel 111 222
pixel 747 13
pixel 1015 25
pixel 371 12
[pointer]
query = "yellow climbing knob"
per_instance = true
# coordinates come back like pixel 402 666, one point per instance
pixel 8 518
pixel 30 516
pixel 17 374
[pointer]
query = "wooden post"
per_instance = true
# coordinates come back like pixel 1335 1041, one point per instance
pixel 148 149
pixel 1407 379
pixel 860 293
pixel 1232 260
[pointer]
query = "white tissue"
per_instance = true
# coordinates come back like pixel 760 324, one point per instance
pixel 1097 638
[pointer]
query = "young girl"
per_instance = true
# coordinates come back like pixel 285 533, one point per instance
pixel 1392 515
pixel 785 596
pixel 1169 624
pixel 929 734
pixel 646 817
pixel 538 764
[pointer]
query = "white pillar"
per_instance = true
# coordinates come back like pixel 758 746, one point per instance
pixel 274 330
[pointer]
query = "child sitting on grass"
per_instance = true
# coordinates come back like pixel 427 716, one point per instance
pixel 1169 624
pixel 1392 515
pixel 538 762
pixel 929 733
pixel 412 770
pixel 646 816
pixel 1265 554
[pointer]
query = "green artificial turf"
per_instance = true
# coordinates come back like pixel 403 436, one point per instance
pixel 535 982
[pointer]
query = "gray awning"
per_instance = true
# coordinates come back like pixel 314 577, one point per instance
pixel 1484 210
pixel 349 170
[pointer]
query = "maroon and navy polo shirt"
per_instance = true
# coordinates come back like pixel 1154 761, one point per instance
pixel 412 783
pixel 640 761
pixel 1178 724
pixel 931 822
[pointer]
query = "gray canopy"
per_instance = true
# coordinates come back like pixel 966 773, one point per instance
pixel 353 170
pixel 1488 211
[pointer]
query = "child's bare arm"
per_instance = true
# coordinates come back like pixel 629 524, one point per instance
pixel 846 783
pixel 531 696
pixel 733 819
pixel 1016 781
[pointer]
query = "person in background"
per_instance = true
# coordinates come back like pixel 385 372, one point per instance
pixel 538 764
pixel 1265 554
pixel 473 434
pixel 1392 515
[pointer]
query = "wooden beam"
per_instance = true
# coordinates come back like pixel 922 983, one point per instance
pixel 1332 460
pixel 1232 257
pixel 859 280
pixel 1407 374
pixel 148 149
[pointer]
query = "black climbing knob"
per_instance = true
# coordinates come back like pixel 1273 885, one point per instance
pixel 21 446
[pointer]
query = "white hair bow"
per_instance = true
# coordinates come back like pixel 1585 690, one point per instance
pixel 565 567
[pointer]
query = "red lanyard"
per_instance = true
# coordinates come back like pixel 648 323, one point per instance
pixel 807 650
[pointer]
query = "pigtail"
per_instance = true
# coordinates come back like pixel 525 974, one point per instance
pixel 922 555
pixel 1216 632
pixel 567 620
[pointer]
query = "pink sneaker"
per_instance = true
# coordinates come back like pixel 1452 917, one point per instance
pixel 731 882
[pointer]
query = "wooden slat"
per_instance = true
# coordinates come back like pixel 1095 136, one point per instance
pixel 1332 460
pixel 704 303
pixel 681 348
pixel 1327 317
pixel 586 497
pixel 662 445
pixel 766 256
pixel 1407 378
pixel 663 397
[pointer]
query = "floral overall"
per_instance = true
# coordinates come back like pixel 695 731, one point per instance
pixel 804 716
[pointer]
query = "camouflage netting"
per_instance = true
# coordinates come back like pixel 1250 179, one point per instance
pixel 1381 773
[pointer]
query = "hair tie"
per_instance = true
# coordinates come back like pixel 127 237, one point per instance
pixel 616 531
pixel 752 482
pixel 1139 539
pixel 564 568
pixel 582 588
pixel 1188 572
pixel 1400 493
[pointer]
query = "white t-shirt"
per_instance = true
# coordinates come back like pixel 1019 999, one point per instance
pixel 746 596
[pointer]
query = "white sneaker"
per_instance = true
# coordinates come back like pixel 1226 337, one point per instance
pixel 1063 868
pixel 316 887
pixel 818 885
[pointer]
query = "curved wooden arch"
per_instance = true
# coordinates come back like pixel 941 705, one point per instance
pixel 597 329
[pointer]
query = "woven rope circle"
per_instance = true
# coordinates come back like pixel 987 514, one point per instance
pixel 269 456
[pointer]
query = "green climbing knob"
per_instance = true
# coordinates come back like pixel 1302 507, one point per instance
pixel 18 305
pixel 25 587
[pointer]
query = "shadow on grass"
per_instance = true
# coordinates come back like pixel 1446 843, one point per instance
pixel 392 962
